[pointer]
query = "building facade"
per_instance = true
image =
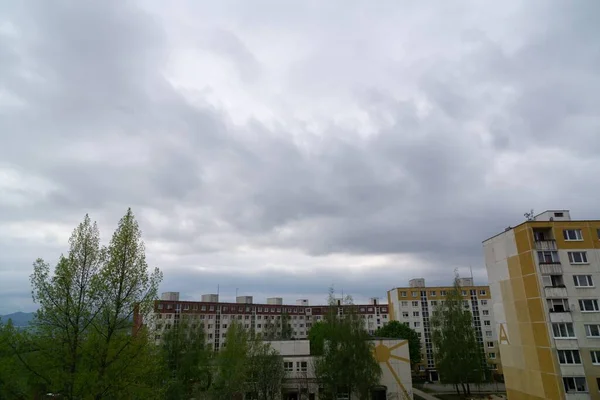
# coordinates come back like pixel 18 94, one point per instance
pixel 414 306
pixel 215 317
pixel 300 382
pixel 543 276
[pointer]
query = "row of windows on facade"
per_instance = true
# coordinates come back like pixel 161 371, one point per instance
pixel 579 281
pixel 569 235
pixel 258 317
pixel 434 303
pixel 417 324
pixel 196 307
pixel 566 330
pixel 576 234
pixel 562 305
pixel 443 293
pixel 551 257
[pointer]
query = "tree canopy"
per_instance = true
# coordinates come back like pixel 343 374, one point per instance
pixel 398 330
pixel 459 358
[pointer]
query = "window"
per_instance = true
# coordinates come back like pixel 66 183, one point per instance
pixel 464 292
pixel 434 303
pixel 288 366
pixel 415 304
pixel 432 293
pixel 405 314
pixel 548 257
pixel 224 326
pixel 553 281
pixel 488 333
pixel 403 294
pixel 588 305
pixel 186 307
pixel 169 306
pixel 490 345
pixel 484 302
pixel 577 257
pixel 404 304
pixel 563 330
pixel 572 234
pixel 417 324
pixel 583 280
pixel 301 366
pixel 443 292
pixel 487 323
pixel 558 305
pixel 415 313
pixel 595 354
pixel 492 356
pixel 485 312
pixel 592 330
pixel 569 357
pixel 575 384
pixel 203 308
pixel 160 306
pixel 482 292
pixel 414 294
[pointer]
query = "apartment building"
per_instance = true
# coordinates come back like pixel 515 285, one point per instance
pixel 215 317
pixel 414 305
pixel 543 274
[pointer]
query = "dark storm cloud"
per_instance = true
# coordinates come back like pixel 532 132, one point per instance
pixel 469 125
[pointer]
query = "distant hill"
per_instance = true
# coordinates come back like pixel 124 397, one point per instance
pixel 19 319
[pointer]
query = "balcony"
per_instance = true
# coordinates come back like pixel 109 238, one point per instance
pixel 555 292
pixel 551 269
pixel 545 245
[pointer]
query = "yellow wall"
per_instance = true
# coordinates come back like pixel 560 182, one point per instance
pixel 530 367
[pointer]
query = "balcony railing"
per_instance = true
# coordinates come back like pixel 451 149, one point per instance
pixel 555 292
pixel 548 245
pixel 551 269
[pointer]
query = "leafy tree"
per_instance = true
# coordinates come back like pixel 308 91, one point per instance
pixel 125 284
pixel 13 375
pixel 185 358
pixel 347 363
pixel 316 336
pixel 265 370
pixel 457 354
pixel 279 329
pixel 398 330
pixel 231 364
pixel 67 306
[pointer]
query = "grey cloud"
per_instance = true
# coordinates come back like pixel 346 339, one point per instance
pixel 104 125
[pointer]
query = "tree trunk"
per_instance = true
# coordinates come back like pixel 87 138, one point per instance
pixel 464 388
pixel 457 389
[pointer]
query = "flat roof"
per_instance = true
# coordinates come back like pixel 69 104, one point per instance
pixel 574 221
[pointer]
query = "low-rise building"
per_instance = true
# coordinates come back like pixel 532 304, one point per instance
pixel 300 382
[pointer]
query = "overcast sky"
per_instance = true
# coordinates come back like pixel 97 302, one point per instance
pixel 279 147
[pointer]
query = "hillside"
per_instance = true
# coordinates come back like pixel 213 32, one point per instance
pixel 19 319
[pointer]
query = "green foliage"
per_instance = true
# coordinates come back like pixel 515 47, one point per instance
pixel 317 335
pixel 347 362
pixel 186 361
pixel 231 364
pixel 265 370
pixel 398 330
pixel 459 358
pixel 81 344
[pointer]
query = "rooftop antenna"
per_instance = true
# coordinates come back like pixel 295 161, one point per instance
pixel 471 269
pixel 529 215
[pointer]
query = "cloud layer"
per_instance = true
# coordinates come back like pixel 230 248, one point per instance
pixel 279 149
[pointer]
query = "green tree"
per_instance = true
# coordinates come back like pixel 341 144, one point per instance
pixel 230 376
pixel 67 306
pixel 458 356
pixel 398 330
pixel 186 361
pixel 13 374
pixel 121 357
pixel 347 363
pixel 265 370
